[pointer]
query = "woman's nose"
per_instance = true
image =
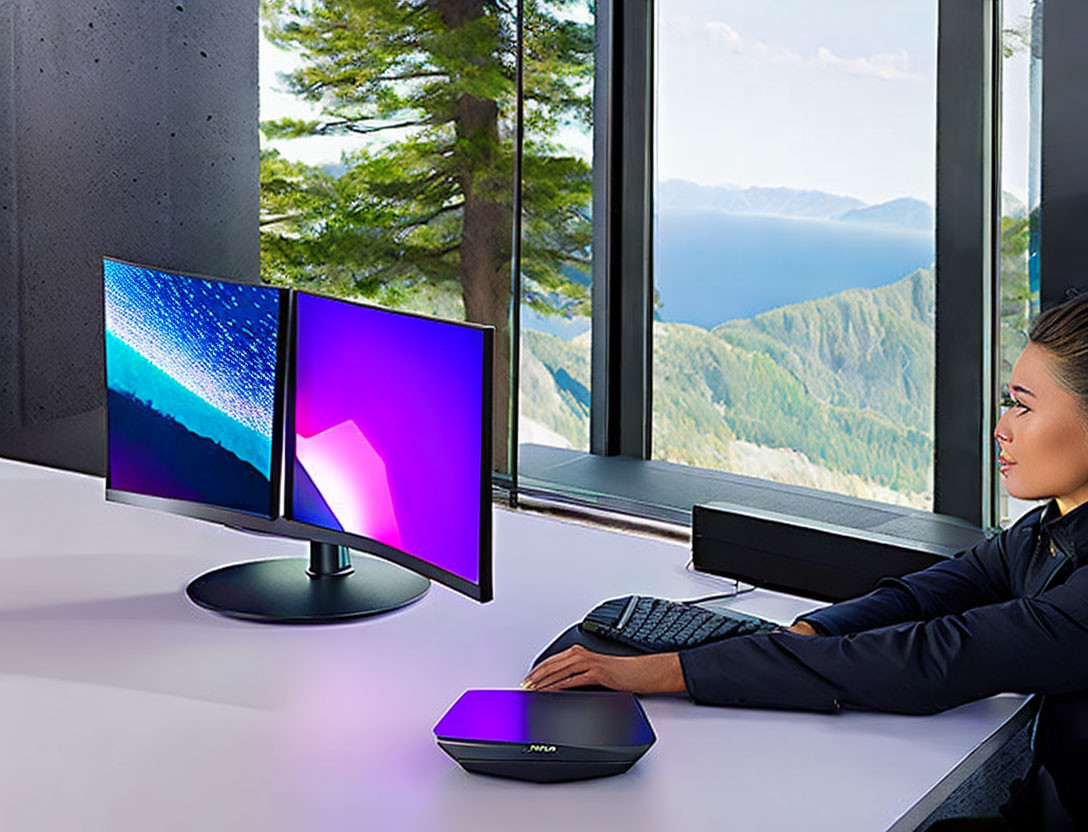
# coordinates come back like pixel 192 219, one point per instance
pixel 1001 431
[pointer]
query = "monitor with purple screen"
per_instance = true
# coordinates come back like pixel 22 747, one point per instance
pixel 388 438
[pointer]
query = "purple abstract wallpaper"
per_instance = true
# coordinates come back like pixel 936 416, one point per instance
pixel 388 429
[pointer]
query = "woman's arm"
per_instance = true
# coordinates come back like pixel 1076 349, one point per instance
pixel 1025 645
pixel 578 666
pixel 978 577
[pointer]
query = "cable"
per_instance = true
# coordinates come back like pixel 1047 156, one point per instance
pixel 738 587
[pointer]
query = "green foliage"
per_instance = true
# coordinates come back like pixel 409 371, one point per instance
pixel 1016 295
pixel 847 381
pixel 431 198
pixel 708 391
pixel 555 384
pixel 361 231
pixel 859 349
pixel 557 234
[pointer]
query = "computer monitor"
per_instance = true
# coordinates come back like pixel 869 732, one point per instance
pixel 196 376
pixel 194 390
pixel 388 445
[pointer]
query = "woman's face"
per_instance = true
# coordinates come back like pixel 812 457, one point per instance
pixel 1043 435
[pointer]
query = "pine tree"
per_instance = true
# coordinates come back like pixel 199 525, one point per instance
pixel 430 202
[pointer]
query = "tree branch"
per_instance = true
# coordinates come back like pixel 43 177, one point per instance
pixel 408 76
pixel 277 218
pixel 434 215
pixel 351 127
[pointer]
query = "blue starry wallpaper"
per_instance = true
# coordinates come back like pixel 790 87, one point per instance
pixel 191 386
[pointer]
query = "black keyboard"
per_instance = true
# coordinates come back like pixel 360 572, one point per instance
pixel 657 625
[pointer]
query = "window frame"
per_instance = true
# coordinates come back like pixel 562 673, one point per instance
pixel 622 293
pixel 968 216
pixel 967 219
pixel 1063 252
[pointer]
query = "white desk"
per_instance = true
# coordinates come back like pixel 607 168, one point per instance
pixel 125 707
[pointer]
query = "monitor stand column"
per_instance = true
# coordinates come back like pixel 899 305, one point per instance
pixel 332 585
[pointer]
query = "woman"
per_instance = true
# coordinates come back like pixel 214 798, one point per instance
pixel 1009 615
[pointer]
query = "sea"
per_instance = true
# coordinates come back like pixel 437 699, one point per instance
pixel 712 266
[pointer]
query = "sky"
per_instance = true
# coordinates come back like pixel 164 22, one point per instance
pixel 1015 153
pixel 276 103
pixel 838 96
pixel 833 96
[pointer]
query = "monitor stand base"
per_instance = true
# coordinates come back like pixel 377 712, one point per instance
pixel 328 587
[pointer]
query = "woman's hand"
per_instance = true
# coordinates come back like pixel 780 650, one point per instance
pixel 655 673
pixel 802 628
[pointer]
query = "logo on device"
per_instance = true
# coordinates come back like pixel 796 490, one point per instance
pixel 539 749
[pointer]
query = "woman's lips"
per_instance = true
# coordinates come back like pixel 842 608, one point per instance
pixel 1005 463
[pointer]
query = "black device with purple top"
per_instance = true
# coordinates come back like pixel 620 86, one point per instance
pixel 545 737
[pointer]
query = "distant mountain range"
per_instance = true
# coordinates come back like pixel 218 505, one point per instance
pixel 905 212
pixel 780 202
pixel 843 384
pixel 900 213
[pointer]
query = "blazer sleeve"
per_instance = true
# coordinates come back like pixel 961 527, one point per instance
pixel 975 578
pixel 1025 645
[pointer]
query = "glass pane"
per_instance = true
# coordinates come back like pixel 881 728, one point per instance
pixel 387 160
pixel 794 244
pixel 1021 174
pixel 557 232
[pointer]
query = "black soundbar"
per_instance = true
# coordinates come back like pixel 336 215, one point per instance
pixel 819 558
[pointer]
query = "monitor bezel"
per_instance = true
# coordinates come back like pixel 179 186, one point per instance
pixel 253 521
pixel 483 590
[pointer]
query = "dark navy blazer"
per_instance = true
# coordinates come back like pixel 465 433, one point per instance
pixel 1009 615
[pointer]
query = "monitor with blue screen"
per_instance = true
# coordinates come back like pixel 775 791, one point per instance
pixel 192 387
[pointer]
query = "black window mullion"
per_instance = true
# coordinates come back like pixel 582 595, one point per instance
pixel 1063 254
pixel 963 452
pixel 623 211
pixel 509 479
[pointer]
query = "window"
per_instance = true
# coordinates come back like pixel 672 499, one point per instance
pixel 557 227
pixel 794 243
pixel 1021 174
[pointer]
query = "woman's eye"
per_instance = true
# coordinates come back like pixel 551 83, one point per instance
pixel 1008 401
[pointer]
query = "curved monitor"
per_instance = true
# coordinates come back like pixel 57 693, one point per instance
pixel 388 443
pixel 194 370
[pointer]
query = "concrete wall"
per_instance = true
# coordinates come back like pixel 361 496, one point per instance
pixel 128 128
pixel 9 305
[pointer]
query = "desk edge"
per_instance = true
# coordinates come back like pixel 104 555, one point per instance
pixel 925 806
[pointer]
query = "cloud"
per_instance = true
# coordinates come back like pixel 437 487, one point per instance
pixel 893 66
pixel 723 34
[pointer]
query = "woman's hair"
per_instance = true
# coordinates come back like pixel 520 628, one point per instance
pixel 1063 331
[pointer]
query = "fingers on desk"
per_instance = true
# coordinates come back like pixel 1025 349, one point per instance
pixel 573 667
